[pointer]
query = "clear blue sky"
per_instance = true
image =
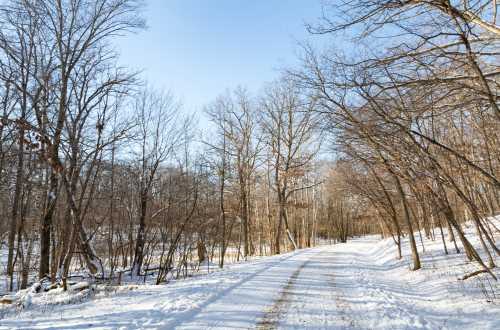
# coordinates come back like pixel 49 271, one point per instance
pixel 199 48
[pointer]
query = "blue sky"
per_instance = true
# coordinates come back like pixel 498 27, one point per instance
pixel 199 48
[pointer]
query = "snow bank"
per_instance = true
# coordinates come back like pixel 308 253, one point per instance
pixel 388 295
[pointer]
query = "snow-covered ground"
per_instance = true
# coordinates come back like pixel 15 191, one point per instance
pixel 358 285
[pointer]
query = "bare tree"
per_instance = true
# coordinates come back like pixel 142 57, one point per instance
pixel 290 129
pixel 157 136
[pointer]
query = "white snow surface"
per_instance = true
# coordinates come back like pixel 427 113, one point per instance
pixel 356 285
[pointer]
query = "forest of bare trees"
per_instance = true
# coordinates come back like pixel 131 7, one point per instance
pixel 103 175
pixel 417 121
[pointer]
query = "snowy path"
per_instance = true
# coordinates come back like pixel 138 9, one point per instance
pixel 246 301
pixel 358 285
pixel 310 300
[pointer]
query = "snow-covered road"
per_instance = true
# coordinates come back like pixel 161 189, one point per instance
pixel 358 285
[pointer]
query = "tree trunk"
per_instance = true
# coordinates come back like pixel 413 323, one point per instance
pixel 140 240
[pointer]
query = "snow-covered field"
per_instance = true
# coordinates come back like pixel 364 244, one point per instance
pixel 358 285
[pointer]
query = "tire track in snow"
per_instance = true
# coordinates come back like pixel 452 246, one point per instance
pixel 290 296
pixel 190 319
pixel 312 299
pixel 274 314
pixel 343 307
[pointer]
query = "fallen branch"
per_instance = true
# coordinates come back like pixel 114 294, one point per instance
pixel 477 272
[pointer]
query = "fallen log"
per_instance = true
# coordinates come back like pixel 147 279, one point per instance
pixel 7 300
